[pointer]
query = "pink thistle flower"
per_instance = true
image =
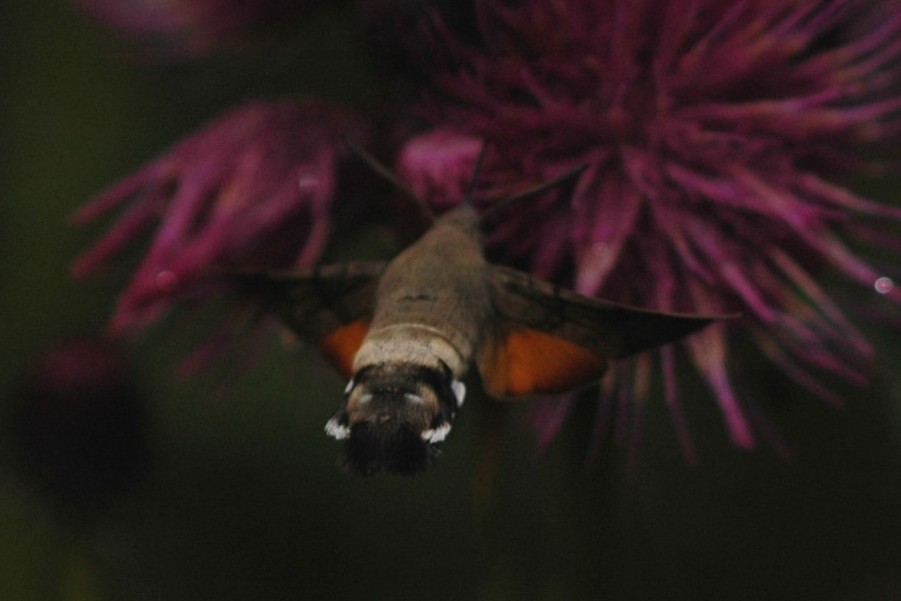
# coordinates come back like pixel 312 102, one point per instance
pixel 186 28
pixel 717 138
pixel 254 188
pixel 439 164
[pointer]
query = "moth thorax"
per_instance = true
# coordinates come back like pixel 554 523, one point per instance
pixel 394 415
pixel 411 343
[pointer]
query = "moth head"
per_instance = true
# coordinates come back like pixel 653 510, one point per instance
pixel 394 416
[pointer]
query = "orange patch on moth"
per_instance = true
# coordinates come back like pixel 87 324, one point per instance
pixel 530 362
pixel 342 344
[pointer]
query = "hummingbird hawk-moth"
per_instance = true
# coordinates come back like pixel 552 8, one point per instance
pixel 410 331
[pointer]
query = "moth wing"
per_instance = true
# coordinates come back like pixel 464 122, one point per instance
pixel 330 306
pixel 550 339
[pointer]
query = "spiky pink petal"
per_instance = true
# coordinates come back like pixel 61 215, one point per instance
pixel 719 139
pixel 253 188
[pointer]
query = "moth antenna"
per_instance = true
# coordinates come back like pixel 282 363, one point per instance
pixel 565 179
pixel 476 171
pixel 389 176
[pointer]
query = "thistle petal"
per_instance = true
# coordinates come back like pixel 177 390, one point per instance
pixel 254 188
pixel 719 139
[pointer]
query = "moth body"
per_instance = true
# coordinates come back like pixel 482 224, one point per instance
pixel 431 311
pixel 432 302
pixel 409 332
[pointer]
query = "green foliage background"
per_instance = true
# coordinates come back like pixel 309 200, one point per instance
pixel 244 500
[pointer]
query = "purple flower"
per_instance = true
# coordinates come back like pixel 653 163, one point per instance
pixel 254 188
pixel 718 138
pixel 439 164
pixel 186 28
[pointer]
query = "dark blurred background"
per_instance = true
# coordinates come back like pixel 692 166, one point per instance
pixel 240 497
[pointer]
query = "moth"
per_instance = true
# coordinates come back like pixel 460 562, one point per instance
pixel 412 333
